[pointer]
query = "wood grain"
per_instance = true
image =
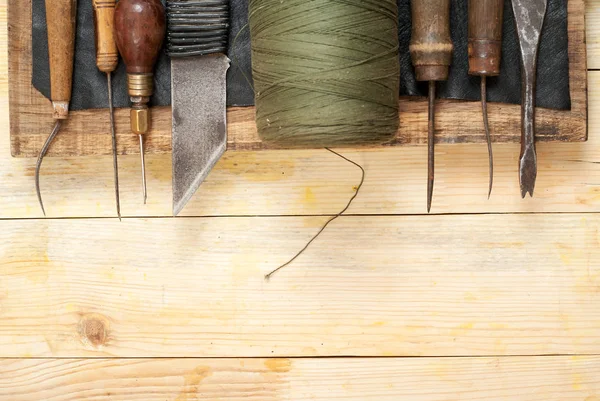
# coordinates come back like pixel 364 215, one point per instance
pixel 424 379
pixel 370 286
pixel 87 133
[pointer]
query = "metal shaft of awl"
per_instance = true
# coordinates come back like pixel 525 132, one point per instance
pixel 114 142
pixel 197 40
pixel 143 161
pixel 529 19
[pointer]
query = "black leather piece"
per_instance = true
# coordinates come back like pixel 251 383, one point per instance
pixel 89 85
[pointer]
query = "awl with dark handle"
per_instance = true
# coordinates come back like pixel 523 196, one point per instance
pixel 431 52
pixel 485 55
pixel 529 19
pixel 197 43
pixel 140 27
pixel 107 59
pixel 61 17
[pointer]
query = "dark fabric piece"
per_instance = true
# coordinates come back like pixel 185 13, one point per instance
pixel 89 85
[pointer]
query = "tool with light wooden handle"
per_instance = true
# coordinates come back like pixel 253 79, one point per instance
pixel 107 59
pixel 485 55
pixel 431 52
pixel 61 16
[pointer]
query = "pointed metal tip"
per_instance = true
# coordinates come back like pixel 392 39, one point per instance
pixel 431 145
pixel 488 135
pixel 143 159
pixel 38 165
pixel 114 144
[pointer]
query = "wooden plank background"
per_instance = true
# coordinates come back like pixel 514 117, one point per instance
pixel 483 299
pixel 87 132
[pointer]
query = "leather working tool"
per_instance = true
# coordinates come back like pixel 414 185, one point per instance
pixel 197 43
pixel 107 59
pixel 485 54
pixel 431 52
pixel 140 30
pixel 60 20
pixel 529 19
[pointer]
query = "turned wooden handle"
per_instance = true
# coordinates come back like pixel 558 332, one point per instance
pixel 431 45
pixel 61 17
pixel 107 55
pixel 140 27
pixel 485 36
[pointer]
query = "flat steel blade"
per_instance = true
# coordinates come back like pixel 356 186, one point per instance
pixel 199 121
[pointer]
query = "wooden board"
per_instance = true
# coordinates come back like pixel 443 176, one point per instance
pixel 370 286
pixel 552 378
pixel 87 133
pixel 312 182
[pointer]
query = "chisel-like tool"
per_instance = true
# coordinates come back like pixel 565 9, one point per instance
pixel 107 59
pixel 61 18
pixel 431 51
pixel 140 28
pixel 197 43
pixel 485 53
pixel 529 18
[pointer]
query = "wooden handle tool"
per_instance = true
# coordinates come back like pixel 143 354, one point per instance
pixel 485 54
pixel 431 51
pixel 107 59
pixel 140 28
pixel 61 17
pixel 107 54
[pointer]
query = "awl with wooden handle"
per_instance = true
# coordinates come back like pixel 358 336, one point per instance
pixel 61 17
pixel 431 52
pixel 107 59
pixel 140 27
pixel 485 55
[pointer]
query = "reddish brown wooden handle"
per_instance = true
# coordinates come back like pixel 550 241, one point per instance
pixel 140 28
pixel 431 45
pixel 485 36
pixel 107 55
pixel 60 20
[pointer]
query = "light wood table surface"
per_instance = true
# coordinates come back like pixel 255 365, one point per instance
pixel 481 300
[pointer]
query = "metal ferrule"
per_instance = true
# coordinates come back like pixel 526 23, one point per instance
pixel 140 119
pixel 140 85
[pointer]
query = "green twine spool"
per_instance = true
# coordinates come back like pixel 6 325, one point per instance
pixel 326 72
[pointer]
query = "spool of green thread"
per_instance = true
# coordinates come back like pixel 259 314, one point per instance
pixel 326 72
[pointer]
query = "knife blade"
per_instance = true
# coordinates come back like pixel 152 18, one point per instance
pixel 198 95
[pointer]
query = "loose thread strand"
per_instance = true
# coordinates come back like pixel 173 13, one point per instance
pixel 362 180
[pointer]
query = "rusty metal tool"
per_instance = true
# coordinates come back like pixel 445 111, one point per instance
pixel 61 17
pixel 529 18
pixel 485 54
pixel 107 59
pixel 431 52
pixel 140 27
pixel 197 43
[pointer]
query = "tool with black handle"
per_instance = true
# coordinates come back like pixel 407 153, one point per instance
pixel 485 54
pixel 140 27
pixel 107 59
pixel 61 18
pixel 431 51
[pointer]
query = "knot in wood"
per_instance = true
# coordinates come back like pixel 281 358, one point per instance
pixel 93 330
